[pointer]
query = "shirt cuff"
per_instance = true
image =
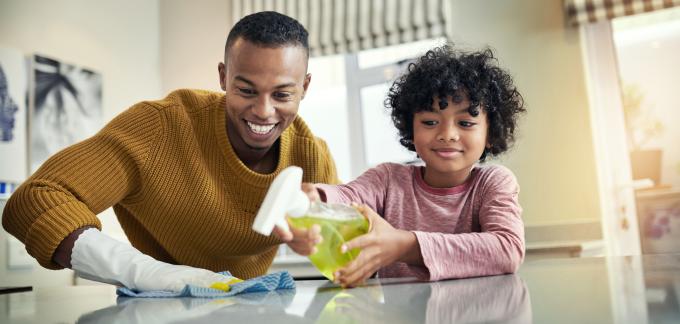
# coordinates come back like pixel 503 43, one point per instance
pixel 429 259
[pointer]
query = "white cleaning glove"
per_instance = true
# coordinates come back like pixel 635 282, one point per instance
pixel 99 257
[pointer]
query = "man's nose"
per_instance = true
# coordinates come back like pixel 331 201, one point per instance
pixel 264 108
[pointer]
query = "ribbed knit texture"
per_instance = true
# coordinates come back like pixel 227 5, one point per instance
pixel 177 187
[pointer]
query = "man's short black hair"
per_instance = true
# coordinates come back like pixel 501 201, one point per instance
pixel 445 71
pixel 269 29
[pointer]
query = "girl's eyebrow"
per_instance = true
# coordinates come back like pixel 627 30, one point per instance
pixel 466 111
pixel 463 110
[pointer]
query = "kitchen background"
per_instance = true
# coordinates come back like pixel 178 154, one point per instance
pixel 597 156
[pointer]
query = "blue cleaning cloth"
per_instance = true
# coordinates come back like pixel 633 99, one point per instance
pixel 270 282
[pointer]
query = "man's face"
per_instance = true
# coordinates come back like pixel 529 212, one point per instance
pixel 263 88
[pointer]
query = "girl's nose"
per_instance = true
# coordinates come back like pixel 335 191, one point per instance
pixel 449 133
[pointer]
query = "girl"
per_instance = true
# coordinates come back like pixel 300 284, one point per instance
pixel 453 217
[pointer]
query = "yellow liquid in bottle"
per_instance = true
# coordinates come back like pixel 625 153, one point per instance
pixel 335 232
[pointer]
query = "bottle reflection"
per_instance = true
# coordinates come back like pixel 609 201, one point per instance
pixel 498 299
pixel 194 310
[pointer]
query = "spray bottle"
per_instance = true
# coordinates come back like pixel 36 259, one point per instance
pixel 339 223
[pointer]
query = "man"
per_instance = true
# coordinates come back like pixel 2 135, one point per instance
pixel 185 175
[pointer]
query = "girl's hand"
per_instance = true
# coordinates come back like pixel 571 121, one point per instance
pixel 311 191
pixel 382 246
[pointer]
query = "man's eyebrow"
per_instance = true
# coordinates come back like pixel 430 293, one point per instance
pixel 252 84
pixel 286 85
pixel 242 79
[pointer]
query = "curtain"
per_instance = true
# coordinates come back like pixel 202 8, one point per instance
pixel 589 11
pixel 341 26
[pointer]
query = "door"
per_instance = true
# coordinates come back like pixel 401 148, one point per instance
pixel 616 187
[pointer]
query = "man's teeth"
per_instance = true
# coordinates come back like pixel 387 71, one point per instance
pixel 260 129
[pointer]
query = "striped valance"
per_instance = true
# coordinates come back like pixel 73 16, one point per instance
pixel 340 26
pixel 588 11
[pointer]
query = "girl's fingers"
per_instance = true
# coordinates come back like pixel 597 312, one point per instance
pixel 357 242
pixel 360 274
pixel 357 270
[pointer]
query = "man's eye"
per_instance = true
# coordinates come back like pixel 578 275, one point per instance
pixel 282 95
pixel 246 91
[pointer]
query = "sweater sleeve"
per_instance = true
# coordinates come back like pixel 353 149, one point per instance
pixel 369 188
pixel 497 249
pixel 77 183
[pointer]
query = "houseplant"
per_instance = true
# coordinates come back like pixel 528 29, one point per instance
pixel 641 127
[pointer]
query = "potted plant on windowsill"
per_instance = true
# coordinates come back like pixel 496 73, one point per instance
pixel 642 127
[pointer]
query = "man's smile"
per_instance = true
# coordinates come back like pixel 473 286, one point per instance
pixel 260 129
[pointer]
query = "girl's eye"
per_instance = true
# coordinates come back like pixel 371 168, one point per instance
pixel 429 122
pixel 466 124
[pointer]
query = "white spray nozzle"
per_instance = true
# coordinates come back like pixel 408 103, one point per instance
pixel 283 197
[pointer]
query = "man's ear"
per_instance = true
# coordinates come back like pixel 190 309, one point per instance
pixel 221 69
pixel 305 85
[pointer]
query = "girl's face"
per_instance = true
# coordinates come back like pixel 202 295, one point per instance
pixel 450 141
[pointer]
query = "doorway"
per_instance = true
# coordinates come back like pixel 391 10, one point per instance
pixel 647 48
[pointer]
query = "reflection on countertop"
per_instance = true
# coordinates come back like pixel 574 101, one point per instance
pixel 586 290
pixel 192 310
pixel 502 299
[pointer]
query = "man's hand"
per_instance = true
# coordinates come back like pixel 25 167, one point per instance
pixel 301 241
pixel 382 246
pixel 174 278
pixel 96 256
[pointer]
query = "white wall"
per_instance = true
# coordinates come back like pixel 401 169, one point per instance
pixel 119 39
pixel 193 35
pixel 554 157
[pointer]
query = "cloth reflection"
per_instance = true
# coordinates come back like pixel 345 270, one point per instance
pixel 497 299
pixel 194 310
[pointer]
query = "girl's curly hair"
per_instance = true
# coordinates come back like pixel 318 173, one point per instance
pixel 443 72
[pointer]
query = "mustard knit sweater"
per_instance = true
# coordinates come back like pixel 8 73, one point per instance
pixel 177 187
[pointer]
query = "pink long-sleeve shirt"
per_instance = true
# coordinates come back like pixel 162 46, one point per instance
pixel 474 229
